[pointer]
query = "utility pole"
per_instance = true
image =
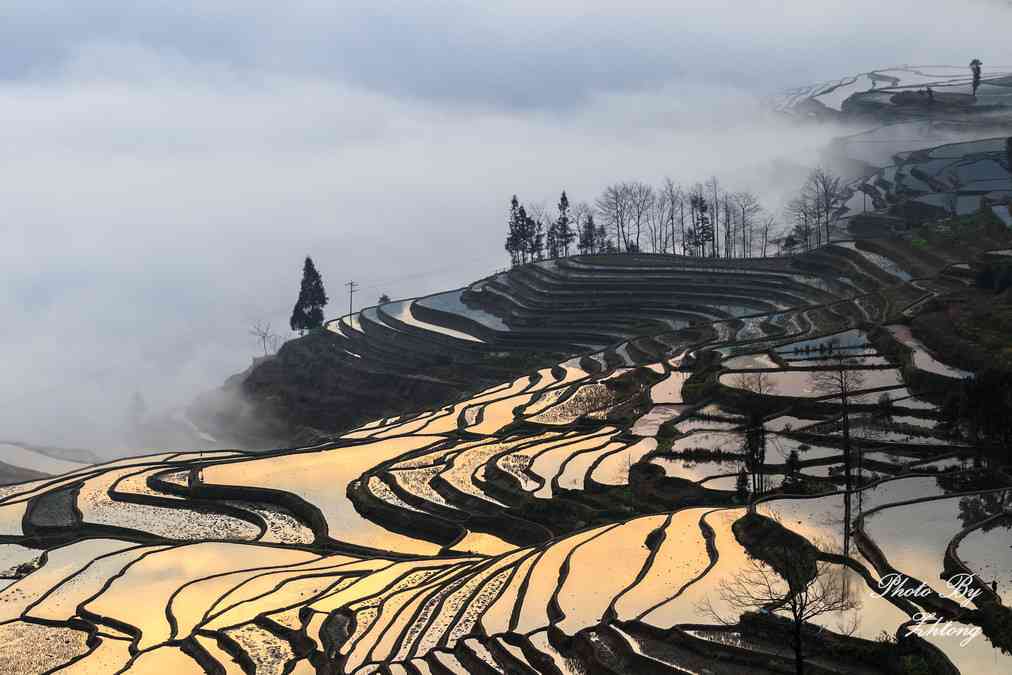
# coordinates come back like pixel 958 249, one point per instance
pixel 352 287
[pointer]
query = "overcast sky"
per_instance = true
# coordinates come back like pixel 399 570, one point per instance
pixel 167 165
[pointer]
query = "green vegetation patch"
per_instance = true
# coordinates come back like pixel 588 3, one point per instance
pixel 977 230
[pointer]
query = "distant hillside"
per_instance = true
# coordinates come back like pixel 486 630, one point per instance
pixel 400 356
pixel 612 310
pixel 901 93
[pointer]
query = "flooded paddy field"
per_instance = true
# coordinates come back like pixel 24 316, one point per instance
pixel 578 518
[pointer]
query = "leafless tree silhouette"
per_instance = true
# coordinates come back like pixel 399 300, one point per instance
pixel 842 379
pixel 798 588
pixel 757 383
pixel 269 341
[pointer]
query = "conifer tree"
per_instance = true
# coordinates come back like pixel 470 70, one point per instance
pixel 564 233
pixel 588 242
pixel 537 229
pixel 515 232
pixel 299 319
pixel 308 311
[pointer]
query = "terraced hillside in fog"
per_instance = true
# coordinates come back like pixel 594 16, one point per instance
pixel 573 519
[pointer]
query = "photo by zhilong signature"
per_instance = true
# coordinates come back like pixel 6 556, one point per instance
pixel 924 624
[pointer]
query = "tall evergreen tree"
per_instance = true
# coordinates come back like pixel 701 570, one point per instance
pixel 308 311
pixel 552 241
pixel 525 231
pixel 299 319
pixel 535 230
pixel 701 232
pixel 564 234
pixel 515 232
pixel 588 242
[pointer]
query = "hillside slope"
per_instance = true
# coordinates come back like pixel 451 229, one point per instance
pixel 391 359
pixel 574 518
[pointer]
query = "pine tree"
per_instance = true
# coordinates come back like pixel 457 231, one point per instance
pixel 308 311
pixel 299 319
pixel 564 234
pixel 535 230
pixel 515 232
pixel 588 236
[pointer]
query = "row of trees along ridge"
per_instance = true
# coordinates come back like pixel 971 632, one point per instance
pixel 703 220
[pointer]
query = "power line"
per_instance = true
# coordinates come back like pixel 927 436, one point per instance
pixel 352 287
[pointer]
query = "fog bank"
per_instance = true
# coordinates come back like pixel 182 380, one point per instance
pixel 168 168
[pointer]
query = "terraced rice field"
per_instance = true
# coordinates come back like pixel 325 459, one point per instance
pixel 577 518
pixel 923 358
pixel 953 179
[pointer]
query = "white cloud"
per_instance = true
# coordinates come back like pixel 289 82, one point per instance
pixel 167 168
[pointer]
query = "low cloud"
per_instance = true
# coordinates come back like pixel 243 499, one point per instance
pixel 167 170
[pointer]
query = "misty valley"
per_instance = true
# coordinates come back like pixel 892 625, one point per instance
pixel 755 423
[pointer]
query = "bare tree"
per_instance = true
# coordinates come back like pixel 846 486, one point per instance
pixel 614 211
pixel 800 212
pixel 580 211
pixel 713 187
pixel 641 200
pixel 672 198
pixel 825 192
pixel 730 226
pixel 261 330
pixel 658 222
pixel 768 222
pixel 842 378
pixel 748 207
pixel 792 585
pixel 540 220
pixel 683 198
pixel 657 226
pixel 538 211
pixel 758 382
